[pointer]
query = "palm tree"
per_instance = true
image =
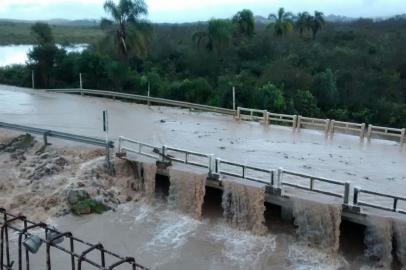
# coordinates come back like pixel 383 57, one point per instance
pixel 245 22
pixel 316 23
pixel 129 33
pixel 302 22
pixel 217 37
pixel 282 22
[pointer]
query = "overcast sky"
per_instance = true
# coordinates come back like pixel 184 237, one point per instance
pixel 195 10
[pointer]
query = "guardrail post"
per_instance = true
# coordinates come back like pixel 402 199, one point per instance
pixel 80 81
pixel 234 99
pixel 266 117
pixel 347 186
pixel 327 127
pixel 239 113
pixel 218 161
pixel 120 139
pixel 395 204
pixel 356 194
pixel 331 128
pixel 149 94
pixel 33 79
pixel 369 134
pixel 299 122
pixel 362 135
pixel 402 136
pixel 164 152
pixel 279 178
pixel 211 164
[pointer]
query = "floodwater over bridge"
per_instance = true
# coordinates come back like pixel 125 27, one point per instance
pixel 181 242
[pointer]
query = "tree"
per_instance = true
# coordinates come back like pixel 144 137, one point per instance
pixel 325 85
pixel 302 22
pixel 316 23
pixel 271 98
pixel 217 37
pixel 245 22
pixel 129 33
pixel 42 56
pixel 282 22
pixel 305 104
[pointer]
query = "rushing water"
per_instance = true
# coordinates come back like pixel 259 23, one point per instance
pixel 17 54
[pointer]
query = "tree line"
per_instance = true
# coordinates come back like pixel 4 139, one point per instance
pixel 295 63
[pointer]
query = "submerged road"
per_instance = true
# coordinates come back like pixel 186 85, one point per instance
pixel 379 166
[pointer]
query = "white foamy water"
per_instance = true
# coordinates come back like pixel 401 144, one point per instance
pixel 243 206
pixel 318 224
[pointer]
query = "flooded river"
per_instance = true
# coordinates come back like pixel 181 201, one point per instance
pixel 161 236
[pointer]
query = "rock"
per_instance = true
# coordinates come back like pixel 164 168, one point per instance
pixel 60 161
pixel 77 195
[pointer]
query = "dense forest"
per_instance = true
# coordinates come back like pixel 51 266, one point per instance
pixel 296 64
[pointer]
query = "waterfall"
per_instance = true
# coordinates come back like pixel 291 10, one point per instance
pixel 318 224
pixel 243 206
pixel 378 239
pixel 186 192
pixel 399 230
pixel 135 176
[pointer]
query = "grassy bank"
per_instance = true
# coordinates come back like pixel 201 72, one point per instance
pixel 20 33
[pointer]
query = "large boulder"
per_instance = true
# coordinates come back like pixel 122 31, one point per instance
pixel 77 195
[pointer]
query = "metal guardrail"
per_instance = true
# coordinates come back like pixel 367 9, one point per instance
pixel 357 202
pixel 56 134
pixel 244 172
pixel 187 157
pixel 147 99
pixel 52 238
pixel 312 179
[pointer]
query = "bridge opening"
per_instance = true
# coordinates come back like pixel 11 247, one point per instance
pixel 162 185
pixel 212 203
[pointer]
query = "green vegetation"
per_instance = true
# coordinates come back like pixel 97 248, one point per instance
pixel 297 64
pixel 89 206
pixel 20 33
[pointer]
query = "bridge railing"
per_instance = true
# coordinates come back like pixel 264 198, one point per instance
pixel 395 200
pixel 132 146
pixel 206 160
pixel 323 124
pixel 282 118
pixel 247 172
pixel 253 114
pixel 311 187
pixel 147 99
pixel 387 132
pixel 347 126
pixel 57 134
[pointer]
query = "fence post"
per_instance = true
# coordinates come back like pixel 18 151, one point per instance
pixel 356 194
pixel 149 93
pixel 347 186
pixel 234 99
pixel 239 113
pixel 279 178
pixel 80 81
pixel 33 79
pixel 402 136
pixel 211 164
pixel 369 134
